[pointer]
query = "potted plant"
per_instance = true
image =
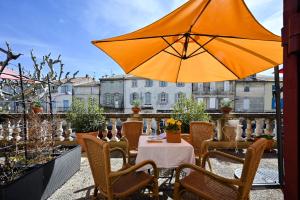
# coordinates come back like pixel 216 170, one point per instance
pixel 173 130
pixel 85 119
pixel 136 106
pixel 187 110
pixel 37 107
pixel 226 106
pixel 269 138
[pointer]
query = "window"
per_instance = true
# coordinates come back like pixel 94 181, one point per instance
pixel 148 98
pixel 180 84
pixel 206 87
pixel 117 100
pixel 246 104
pixel 212 103
pixel 107 99
pixel 163 98
pixel 162 84
pixel 65 105
pixel 133 83
pixel 246 89
pixel 133 96
pixel 148 83
pixel 66 89
pixel 226 86
pixel 212 86
pixel 179 95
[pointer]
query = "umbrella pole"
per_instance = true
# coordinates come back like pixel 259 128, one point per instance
pixel 278 126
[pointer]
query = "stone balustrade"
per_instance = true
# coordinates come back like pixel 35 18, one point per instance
pixel 252 124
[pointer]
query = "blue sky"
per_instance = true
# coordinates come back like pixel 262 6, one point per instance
pixel 66 27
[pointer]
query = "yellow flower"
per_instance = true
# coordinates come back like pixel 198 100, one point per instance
pixel 178 123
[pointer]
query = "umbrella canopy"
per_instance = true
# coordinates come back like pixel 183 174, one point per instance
pixel 201 41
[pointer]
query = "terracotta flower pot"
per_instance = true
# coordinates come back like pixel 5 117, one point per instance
pixel 226 110
pixel 135 110
pixel 173 136
pixel 80 141
pixel 37 109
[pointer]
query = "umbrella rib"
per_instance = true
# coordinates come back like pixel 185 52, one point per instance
pixel 218 60
pixel 228 36
pixel 199 15
pixel 171 54
pixel 200 46
pixel 221 63
pixel 138 38
pixel 170 45
pixel 248 51
pixel 196 54
pixel 152 56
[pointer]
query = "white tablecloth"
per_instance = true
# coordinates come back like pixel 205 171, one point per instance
pixel 165 155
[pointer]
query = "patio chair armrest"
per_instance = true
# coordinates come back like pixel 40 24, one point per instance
pixel 219 153
pixel 208 173
pixel 134 168
pixel 122 152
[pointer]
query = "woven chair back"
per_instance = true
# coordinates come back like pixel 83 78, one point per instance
pixel 200 131
pixel 132 131
pixel 252 159
pixel 98 156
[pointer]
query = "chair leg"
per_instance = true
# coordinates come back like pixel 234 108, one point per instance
pixel 176 191
pixel 155 189
pixel 95 191
pixel 209 165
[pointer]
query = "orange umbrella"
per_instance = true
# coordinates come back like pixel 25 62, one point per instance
pixel 201 41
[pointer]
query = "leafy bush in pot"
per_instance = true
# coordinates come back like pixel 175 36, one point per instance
pixel 85 118
pixel 187 110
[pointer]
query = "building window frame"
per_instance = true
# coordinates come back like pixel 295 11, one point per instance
pixel 148 83
pixel 162 84
pixel 134 83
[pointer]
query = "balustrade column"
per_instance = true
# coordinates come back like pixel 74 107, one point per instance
pixel 9 132
pixel 248 129
pixel 68 132
pixel 259 122
pixel 158 125
pixel 267 130
pixel 59 131
pixel 16 132
pixel 149 125
pixel 114 130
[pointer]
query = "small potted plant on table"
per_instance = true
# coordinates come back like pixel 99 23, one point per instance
pixel 136 106
pixel 85 119
pixel 37 107
pixel 173 130
pixel 226 106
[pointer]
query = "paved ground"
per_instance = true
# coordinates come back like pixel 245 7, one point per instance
pixel 80 186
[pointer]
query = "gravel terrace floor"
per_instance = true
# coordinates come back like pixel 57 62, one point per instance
pixel 80 186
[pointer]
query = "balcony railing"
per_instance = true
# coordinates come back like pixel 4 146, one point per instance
pixel 253 123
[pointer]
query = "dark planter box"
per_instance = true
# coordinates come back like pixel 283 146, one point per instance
pixel 42 181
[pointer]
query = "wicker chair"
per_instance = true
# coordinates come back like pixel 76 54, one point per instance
pixel 200 131
pixel 117 184
pixel 208 185
pixel 132 131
